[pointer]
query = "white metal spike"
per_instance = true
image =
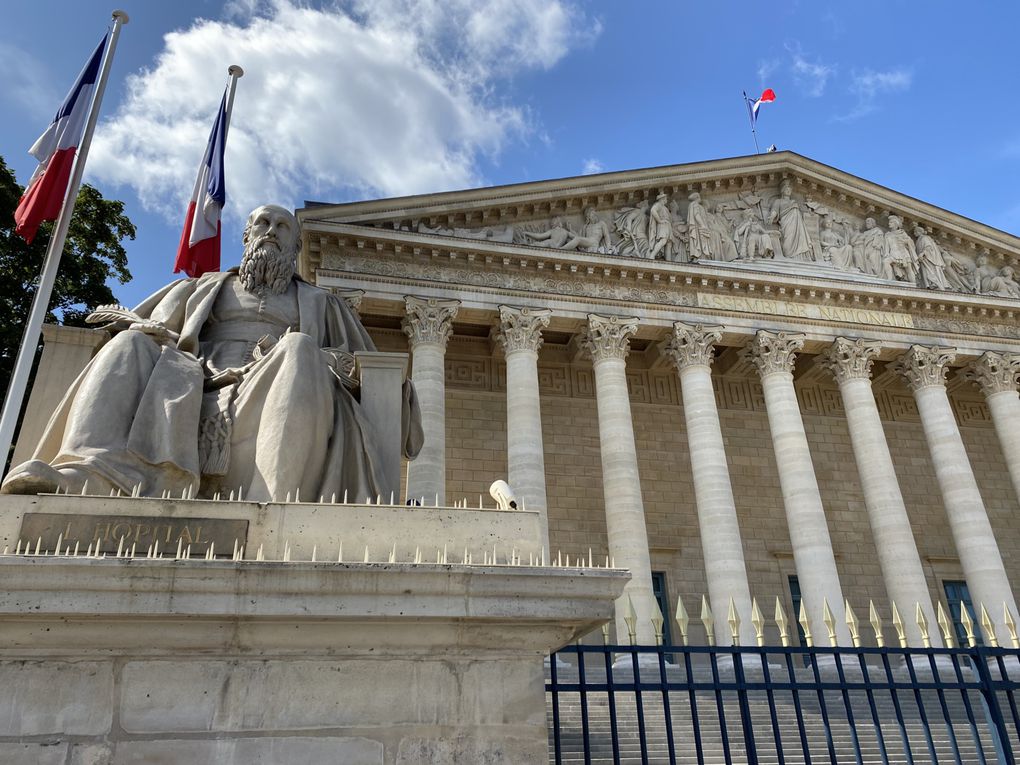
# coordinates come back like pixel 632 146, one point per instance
pixel 345 496
pixel 260 554
pixel 315 549
pixel 180 548
pixel 340 552
pixel 332 498
pixel 120 546
pixel 287 500
pixel 231 495
pixel 366 554
pixel 286 551
pixel 297 495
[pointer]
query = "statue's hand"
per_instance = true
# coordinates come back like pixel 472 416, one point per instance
pixel 156 331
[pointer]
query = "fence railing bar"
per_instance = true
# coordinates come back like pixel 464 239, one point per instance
pixel 557 745
pixel 720 707
pixel 792 674
pixel 876 720
pixel 611 700
pixel 841 673
pixel 1010 694
pixel 746 723
pixel 823 709
pixel 773 716
pixel 667 716
pixel 945 708
pixel 918 699
pixel 639 705
pixel 583 697
pixel 971 720
pixel 997 725
pixel 692 696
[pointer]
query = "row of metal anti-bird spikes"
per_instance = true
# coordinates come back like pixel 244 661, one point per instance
pixel 987 628
pixel 492 557
pixel 290 497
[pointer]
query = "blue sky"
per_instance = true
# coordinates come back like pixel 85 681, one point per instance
pixel 373 98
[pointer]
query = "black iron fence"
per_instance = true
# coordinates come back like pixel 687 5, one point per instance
pixel 630 704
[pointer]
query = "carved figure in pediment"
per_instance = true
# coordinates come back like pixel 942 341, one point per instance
pixel 1004 284
pixel 661 237
pixel 492 234
pixel 631 224
pixel 555 236
pixel 751 238
pixel 594 236
pixel 785 211
pixel 931 262
pixel 723 227
pixel 983 274
pixel 869 248
pixel 900 255
pixel 836 249
pixel 959 272
pixel 702 241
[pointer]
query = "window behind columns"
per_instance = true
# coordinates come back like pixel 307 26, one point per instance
pixel 957 594
pixel 795 597
pixel 662 598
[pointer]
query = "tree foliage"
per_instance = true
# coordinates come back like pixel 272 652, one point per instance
pixel 93 256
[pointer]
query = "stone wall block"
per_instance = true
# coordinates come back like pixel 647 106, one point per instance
pixel 74 698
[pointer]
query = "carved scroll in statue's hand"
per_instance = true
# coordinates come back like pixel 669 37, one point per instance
pixel 341 363
pixel 116 318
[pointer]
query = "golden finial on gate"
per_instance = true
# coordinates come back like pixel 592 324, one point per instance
pixel 946 626
pixel 922 624
pixel 852 624
pixel 782 622
pixel 734 621
pixel 758 621
pixel 897 622
pixel 829 620
pixel 1007 619
pixel 707 620
pixel 682 619
pixel 988 628
pixel 657 621
pixel 630 618
pixel 968 624
pixel 805 625
pixel 876 624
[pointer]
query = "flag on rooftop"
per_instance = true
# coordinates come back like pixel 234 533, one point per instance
pixel 199 249
pixel 767 97
pixel 55 149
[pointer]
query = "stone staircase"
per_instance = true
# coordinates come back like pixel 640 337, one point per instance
pixel 708 703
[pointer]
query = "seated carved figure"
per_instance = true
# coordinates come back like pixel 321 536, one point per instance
pixel 234 380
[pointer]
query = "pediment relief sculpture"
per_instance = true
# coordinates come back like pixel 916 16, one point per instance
pixel 759 225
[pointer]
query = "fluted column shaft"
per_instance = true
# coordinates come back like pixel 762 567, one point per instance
pixel 924 369
pixel 722 548
pixel 850 363
pixel 428 325
pixel 996 375
pixel 607 340
pixel 773 354
pixel 520 334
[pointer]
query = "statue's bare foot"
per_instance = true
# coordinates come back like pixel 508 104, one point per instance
pixel 38 477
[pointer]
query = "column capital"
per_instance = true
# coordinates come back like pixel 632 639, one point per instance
pixel 608 337
pixel 924 366
pixel 850 359
pixel 520 329
pixel 692 344
pixel 351 297
pixel 429 320
pixel 773 352
pixel 994 372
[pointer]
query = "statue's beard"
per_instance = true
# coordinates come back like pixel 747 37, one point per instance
pixel 265 268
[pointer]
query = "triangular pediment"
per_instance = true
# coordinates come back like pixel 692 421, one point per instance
pixel 771 212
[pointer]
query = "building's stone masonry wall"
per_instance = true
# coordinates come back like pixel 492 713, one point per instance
pixel 476 436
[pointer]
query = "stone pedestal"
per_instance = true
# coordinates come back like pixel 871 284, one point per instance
pixel 118 660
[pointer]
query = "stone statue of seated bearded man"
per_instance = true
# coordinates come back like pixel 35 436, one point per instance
pixel 234 380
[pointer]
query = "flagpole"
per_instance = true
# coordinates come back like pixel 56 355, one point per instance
pixel 30 339
pixel 235 73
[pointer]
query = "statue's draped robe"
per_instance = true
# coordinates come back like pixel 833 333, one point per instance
pixel 139 411
pixel 796 242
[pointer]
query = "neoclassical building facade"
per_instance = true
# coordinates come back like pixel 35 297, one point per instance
pixel 742 379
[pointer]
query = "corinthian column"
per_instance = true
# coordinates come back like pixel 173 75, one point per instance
pixel 924 369
pixel 773 353
pixel 520 333
pixel 690 348
pixel 850 362
pixel 996 375
pixel 429 324
pixel 607 340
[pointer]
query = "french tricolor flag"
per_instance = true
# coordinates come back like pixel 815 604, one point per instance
pixel 199 250
pixel 55 151
pixel 767 97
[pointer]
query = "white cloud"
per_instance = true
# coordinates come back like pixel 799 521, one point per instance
pixel 766 69
pixel 383 97
pixel 812 76
pixel 592 166
pixel 26 83
pixel 868 85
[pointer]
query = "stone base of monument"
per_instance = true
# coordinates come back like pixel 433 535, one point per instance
pixel 119 660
